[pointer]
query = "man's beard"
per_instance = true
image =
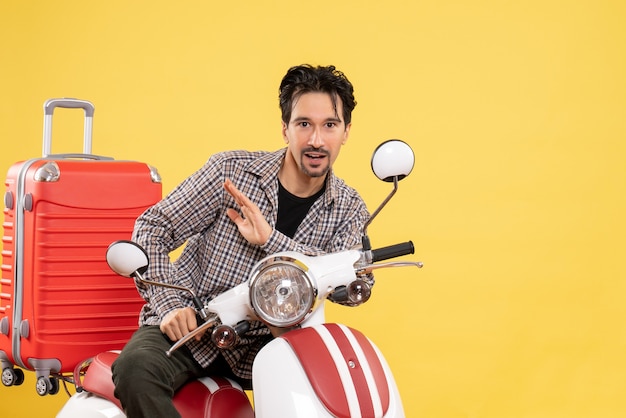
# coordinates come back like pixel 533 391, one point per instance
pixel 317 173
pixel 310 173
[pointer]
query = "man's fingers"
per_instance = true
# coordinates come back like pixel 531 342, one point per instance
pixel 200 335
pixel 171 330
pixel 178 323
pixel 240 198
pixel 233 191
pixel 251 223
pixel 233 215
pixel 192 322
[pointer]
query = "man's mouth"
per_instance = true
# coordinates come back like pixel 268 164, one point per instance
pixel 315 162
pixel 316 155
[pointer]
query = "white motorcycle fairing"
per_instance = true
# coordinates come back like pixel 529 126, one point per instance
pixel 327 370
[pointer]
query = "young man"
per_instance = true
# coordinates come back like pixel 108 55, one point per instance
pixel 238 208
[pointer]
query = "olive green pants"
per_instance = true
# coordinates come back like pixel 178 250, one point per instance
pixel 146 379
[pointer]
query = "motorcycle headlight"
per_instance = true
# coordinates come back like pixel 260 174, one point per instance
pixel 281 291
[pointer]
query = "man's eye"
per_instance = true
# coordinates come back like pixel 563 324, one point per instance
pixel 331 124
pixel 305 124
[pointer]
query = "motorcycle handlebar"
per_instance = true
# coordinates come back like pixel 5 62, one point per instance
pixel 393 251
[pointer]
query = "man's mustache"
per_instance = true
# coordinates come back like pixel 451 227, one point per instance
pixel 316 150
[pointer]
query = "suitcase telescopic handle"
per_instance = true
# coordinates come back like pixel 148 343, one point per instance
pixel 48 110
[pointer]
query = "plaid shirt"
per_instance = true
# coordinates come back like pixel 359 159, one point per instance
pixel 216 257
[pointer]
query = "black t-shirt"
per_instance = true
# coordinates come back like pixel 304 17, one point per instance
pixel 292 209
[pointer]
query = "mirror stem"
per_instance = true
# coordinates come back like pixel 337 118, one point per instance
pixel 366 241
pixel 196 301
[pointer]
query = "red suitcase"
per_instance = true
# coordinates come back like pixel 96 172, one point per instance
pixel 59 301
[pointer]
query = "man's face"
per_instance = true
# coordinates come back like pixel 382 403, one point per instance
pixel 315 133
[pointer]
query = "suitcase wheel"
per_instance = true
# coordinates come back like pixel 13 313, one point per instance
pixel 12 377
pixel 47 386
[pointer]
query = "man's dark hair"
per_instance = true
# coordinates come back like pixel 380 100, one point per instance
pixel 305 78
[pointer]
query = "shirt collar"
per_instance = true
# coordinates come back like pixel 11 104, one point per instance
pixel 266 168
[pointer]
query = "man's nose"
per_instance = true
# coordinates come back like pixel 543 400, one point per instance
pixel 316 140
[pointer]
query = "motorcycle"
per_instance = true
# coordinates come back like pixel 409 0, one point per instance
pixel 311 368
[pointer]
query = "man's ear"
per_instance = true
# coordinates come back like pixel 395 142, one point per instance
pixel 284 131
pixel 346 134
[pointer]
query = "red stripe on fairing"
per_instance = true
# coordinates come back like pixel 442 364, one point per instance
pixel 356 372
pixel 320 369
pixel 377 370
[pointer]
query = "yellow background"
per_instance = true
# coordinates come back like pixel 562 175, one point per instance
pixel 516 113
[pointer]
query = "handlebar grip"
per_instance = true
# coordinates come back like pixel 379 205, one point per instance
pixel 393 251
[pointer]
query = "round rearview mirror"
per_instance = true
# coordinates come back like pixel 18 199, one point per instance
pixel 392 159
pixel 127 258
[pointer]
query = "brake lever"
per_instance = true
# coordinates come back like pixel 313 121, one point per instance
pixel 368 268
pixel 210 321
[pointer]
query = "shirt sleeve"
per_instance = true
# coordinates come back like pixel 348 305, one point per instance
pixel 166 226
